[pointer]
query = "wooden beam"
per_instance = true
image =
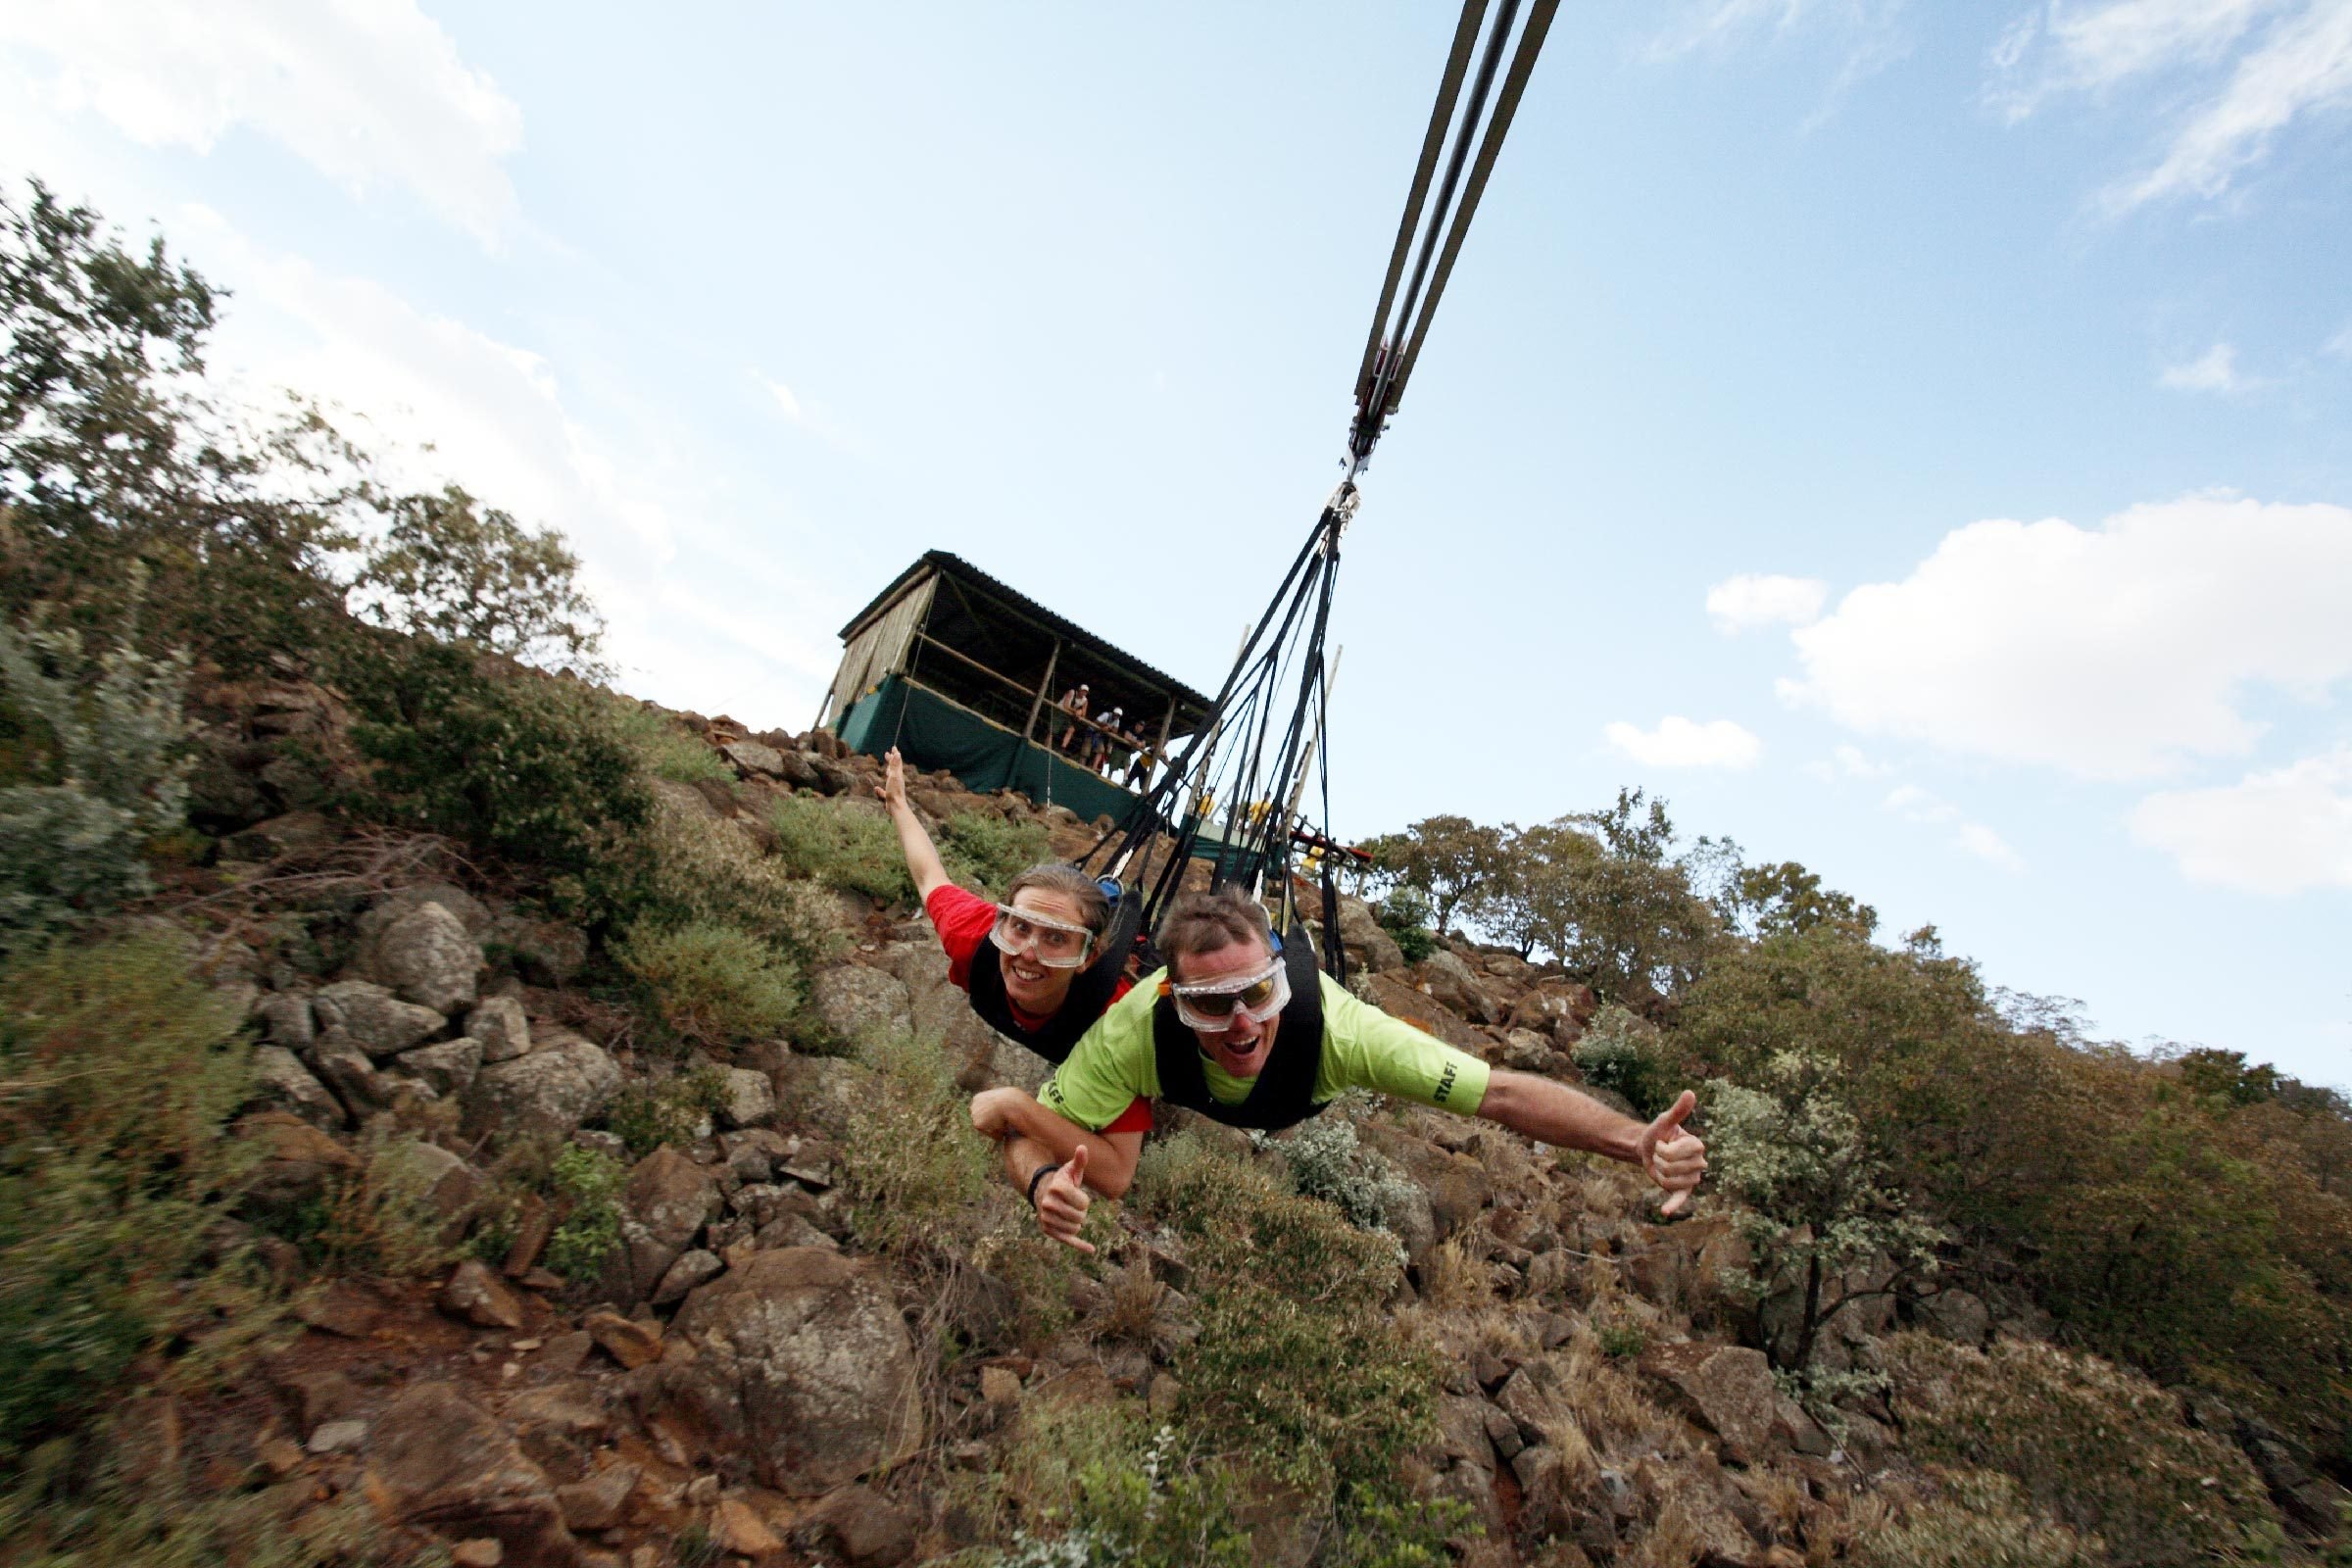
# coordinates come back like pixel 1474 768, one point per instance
pixel 1029 733
pixel 991 674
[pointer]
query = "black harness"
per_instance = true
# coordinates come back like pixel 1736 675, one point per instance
pixel 1090 994
pixel 1283 1093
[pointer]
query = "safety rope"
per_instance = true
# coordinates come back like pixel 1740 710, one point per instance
pixel 1243 759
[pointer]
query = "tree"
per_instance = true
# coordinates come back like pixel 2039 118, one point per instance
pixel 1613 907
pixel 1817 1208
pixel 448 569
pixel 1785 899
pixel 1450 858
pixel 115 463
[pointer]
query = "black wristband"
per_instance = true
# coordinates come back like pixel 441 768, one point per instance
pixel 1039 1175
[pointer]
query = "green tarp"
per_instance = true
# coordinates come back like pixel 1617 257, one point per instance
pixel 930 731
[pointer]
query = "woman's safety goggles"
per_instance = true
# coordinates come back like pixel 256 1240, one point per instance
pixel 1213 1004
pixel 1056 944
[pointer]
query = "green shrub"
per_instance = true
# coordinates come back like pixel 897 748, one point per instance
pixel 645 1116
pixel 148 1521
pixel 841 845
pixel 1982 1520
pixel 529 767
pixel 1298 1372
pixel 587 1183
pixel 1627 1055
pixel 2099 1447
pixel 96 771
pixel 1093 1488
pixel 666 748
pixel 1406 914
pixel 379 1219
pixel 710 983
pixel 984 852
pixel 1328 1161
pixel 915 1174
pixel 117 1071
pixel 703 870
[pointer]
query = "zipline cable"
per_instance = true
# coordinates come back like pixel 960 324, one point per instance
pixel 1225 763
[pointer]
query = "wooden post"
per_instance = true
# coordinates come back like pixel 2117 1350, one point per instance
pixel 1159 753
pixel 1038 706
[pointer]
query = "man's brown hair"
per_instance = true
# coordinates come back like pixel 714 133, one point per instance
pixel 1203 922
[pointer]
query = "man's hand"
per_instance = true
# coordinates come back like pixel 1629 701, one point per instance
pixel 893 788
pixel 1063 1203
pixel 991 1112
pixel 1675 1159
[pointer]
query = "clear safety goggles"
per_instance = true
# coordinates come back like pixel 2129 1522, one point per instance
pixel 1214 1005
pixel 1056 944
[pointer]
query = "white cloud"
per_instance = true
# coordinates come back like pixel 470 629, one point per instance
pixel 2110 653
pixel 2341 345
pixel 1915 805
pixel 657 553
pixel 2275 832
pixel 1744 603
pixel 2258 66
pixel 369 92
pixel 1847 762
pixel 1682 743
pixel 783 395
pixel 2214 370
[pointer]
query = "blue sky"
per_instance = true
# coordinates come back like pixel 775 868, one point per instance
pixel 1914 441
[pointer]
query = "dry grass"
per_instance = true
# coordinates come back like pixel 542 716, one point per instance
pixel 1611 1406
pixel 1672 1540
pixel 1457 1278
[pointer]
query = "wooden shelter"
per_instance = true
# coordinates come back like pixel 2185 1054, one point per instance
pixel 959 672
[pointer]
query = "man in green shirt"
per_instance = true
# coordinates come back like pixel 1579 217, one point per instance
pixel 1251 1036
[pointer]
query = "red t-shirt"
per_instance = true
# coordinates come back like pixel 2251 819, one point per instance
pixel 963 921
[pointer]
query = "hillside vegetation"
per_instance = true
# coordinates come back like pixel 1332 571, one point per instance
pixel 450 1112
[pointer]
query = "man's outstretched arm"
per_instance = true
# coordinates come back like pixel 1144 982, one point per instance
pixel 1012 1116
pixel 1555 1113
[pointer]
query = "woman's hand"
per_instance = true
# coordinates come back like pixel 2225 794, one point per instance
pixel 893 788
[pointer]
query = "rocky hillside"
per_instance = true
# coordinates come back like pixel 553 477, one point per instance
pixel 574 1278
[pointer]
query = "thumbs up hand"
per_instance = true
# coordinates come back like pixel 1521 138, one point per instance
pixel 1062 1201
pixel 1675 1159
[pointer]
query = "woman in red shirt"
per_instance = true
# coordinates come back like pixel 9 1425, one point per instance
pixel 1036 968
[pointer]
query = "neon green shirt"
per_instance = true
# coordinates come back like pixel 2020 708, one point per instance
pixel 1363 1048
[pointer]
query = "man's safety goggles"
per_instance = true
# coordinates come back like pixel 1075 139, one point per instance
pixel 1213 1004
pixel 1056 944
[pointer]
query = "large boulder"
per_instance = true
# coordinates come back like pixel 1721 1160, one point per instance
pixel 372 1018
pixel 424 953
pixel 747 1099
pixel 1364 939
pixel 1425 1012
pixel 826 1092
pixel 1445 976
pixel 552 1090
pixel 446 1068
pixel 1729 1389
pixel 752 758
pixel 499 1024
pixel 668 1199
pixel 281 1079
pixel 1556 1007
pixel 854 1002
pixel 546 953
pixel 298 1162
pixel 801 1362
pixel 438 1462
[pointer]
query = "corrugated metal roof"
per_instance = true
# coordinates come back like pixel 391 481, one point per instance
pixel 955 565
